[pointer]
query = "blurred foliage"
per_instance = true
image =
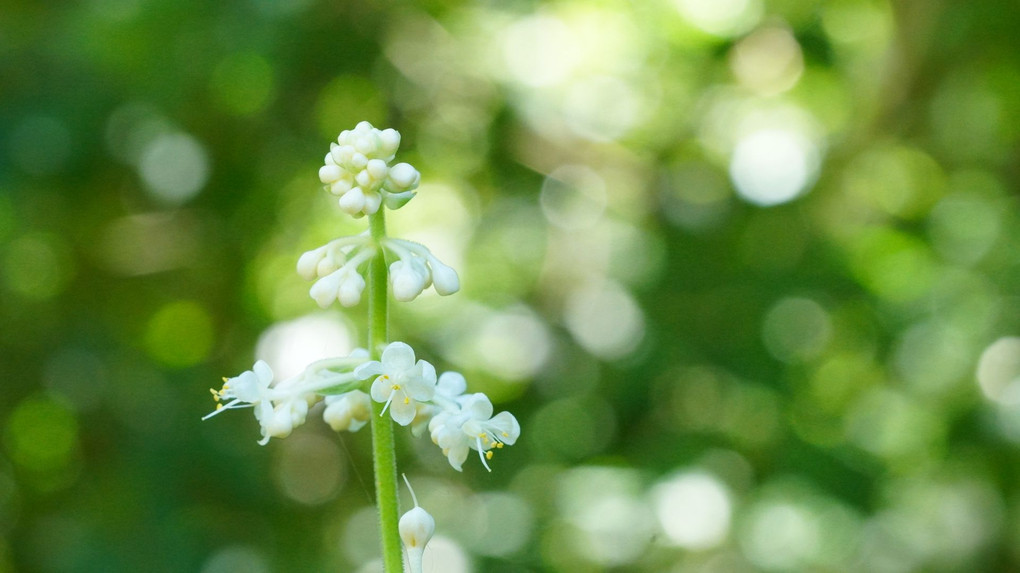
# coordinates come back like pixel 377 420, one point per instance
pixel 741 268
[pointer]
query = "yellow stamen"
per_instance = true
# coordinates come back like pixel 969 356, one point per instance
pixel 488 455
pixel 407 400
pixel 219 407
pixel 499 444
pixel 225 379
pixel 506 435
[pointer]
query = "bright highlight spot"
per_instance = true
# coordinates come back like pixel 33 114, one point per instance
pixel 290 346
pixel 605 320
pixel 694 510
pixel 780 536
pixel 540 51
pixel 236 558
pixel 998 371
pixel 174 167
pixel 773 166
pixel 511 345
pixel 768 62
pixel 723 18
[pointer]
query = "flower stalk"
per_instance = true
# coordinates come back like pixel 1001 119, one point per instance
pixel 384 455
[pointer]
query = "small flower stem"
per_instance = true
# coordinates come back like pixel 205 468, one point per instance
pixel 383 447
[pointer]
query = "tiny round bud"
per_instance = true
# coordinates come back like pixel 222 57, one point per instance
pixel 329 173
pixel 416 528
pixel 358 160
pixel 377 169
pixel 353 201
pixel 404 177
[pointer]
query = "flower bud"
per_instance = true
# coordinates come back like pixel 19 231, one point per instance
pixel 406 280
pixel 444 278
pixel 416 528
pixel 325 290
pixel 403 177
pixel 353 201
pixel 307 264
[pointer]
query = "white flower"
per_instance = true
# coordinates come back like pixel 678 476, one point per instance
pixel 472 426
pixel 400 381
pixel 415 269
pixel 281 407
pixel 348 411
pixel 246 390
pixel 357 170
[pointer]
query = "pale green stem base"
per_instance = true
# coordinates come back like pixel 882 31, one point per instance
pixel 384 453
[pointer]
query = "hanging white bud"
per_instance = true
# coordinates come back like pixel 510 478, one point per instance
pixel 408 280
pixel 444 278
pixel 416 528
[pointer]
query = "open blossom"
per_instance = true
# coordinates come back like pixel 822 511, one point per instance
pixel 357 169
pixel 472 426
pixel 282 406
pixel 400 383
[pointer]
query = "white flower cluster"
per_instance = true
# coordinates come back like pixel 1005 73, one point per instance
pixel 281 407
pixel 357 170
pixel 336 266
pixel 457 422
pixel 409 389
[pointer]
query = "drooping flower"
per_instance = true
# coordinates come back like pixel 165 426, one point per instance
pixel 249 389
pixel 357 169
pixel 400 383
pixel 471 426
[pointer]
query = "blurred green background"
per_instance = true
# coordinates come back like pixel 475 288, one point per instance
pixel 742 269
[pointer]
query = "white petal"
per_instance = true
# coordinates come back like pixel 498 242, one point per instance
pixel 451 384
pixel 477 406
pixel 507 427
pixel 368 369
pixel 402 412
pixel 306 265
pixel 264 373
pixel 398 356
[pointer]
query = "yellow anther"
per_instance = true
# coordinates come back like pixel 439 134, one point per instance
pixel 506 435
pixel 225 379
pixel 219 407
pixel 407 400
pixel 396 386
pixel 499 444
pixel 488 455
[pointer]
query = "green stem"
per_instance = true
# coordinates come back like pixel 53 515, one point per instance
pixel 384 452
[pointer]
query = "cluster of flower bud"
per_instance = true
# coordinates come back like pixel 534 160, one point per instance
pixel 335 265
pixel 357 170
pixel 415 269
pixel 336 268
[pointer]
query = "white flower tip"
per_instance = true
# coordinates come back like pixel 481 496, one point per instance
pixel 325 290
pixel 444 278
pixel 389 140
pixel 353 201
pixel 376 169
pixel 416 528
pixel 329 173
pixel 308 263
pixel 404 177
